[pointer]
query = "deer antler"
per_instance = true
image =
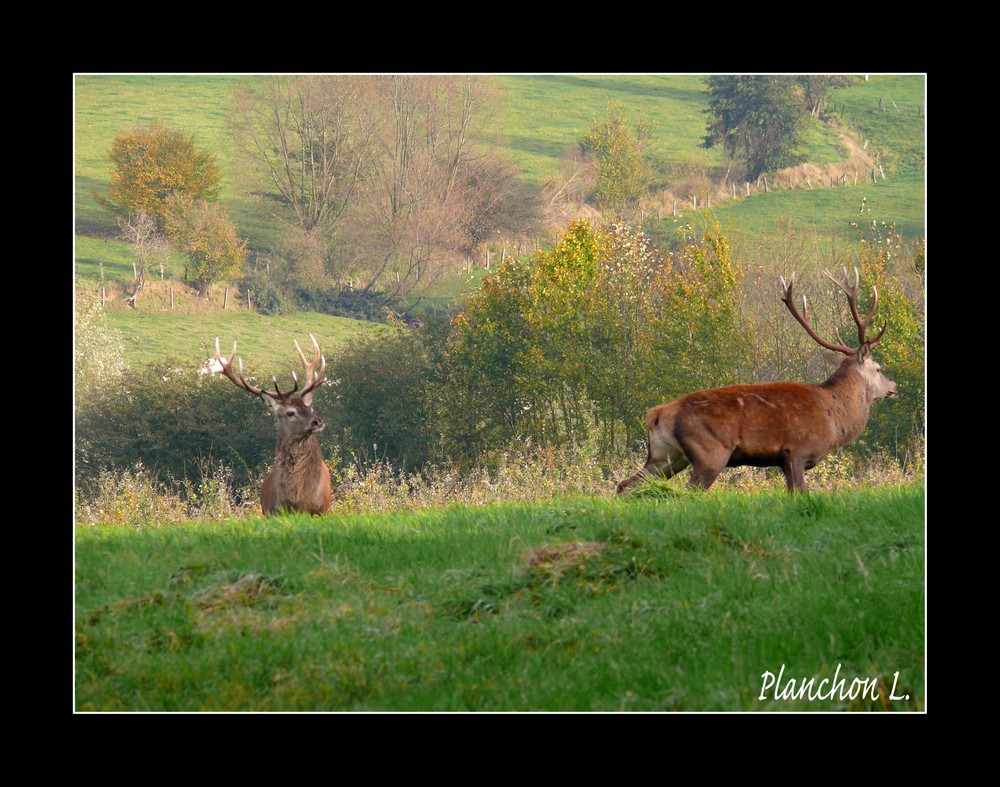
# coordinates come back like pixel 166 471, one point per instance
pixel 804 318
pixel 851 291
pixel 227 370
pixel 311 382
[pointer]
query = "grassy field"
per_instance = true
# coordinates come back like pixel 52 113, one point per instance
pixel 651 603
pixel 263 342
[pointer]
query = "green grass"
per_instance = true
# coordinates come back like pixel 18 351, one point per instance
pixel 824 215
pixel 545 114
pixel 650 603
pixel 263 342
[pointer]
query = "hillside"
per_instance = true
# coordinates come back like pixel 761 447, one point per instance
pixel 541 118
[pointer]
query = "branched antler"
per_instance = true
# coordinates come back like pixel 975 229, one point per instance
pixel 311 382
pixel 804 318
pixel 240 381
pixel 851 291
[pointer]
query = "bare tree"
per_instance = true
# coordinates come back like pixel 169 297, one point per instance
pixel 389 166
pixel 409 222
pixel 305 144
pixel 150 248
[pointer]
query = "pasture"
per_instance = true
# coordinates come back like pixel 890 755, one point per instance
pixel 664 601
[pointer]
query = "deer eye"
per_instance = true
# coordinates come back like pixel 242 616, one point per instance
pixel 291 413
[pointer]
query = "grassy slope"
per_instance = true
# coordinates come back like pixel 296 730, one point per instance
pixel 542 115
pixel 264 343
pixel 691 600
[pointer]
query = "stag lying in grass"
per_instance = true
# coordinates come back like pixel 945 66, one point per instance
pixel 300 479
pixel 788 425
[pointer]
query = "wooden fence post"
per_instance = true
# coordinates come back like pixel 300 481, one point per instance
pixel 171 297
pixel 225 299
pixel 748 188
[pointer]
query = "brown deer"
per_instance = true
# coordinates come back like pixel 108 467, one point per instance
pixel 788 425
pixel 300 479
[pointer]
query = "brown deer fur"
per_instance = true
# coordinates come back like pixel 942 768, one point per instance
pixel 300 479
pixel 783 424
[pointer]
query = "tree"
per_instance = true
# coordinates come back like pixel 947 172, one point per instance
pixel 206 234
pixel 305 143
pixel 408 220
pixel 623 174
pixel 756 119
pixel 382 172
pixel 151 164
pixel 816 87
pixel 148 244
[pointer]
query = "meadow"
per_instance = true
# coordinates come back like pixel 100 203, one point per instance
pixel 665 601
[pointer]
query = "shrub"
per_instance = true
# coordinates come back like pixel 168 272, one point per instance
pixel 381 407
pixel 171 422
pixel 267 296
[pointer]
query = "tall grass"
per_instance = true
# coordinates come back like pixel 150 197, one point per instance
pixel 522 474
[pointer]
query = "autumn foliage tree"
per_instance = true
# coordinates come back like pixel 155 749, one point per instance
pixel 149 165
pixel 580 341
pixel 206 234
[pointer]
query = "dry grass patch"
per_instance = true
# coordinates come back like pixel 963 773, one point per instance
pixel 556 559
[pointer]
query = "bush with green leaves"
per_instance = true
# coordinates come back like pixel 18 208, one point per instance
pixel 382 408
pixel 369 305
pixel 579 342
pixel 268 297
pixel 895 270
pixel 171 421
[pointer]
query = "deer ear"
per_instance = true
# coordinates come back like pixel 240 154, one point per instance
pixel 864 352
pixel 833 358
pixel 270 401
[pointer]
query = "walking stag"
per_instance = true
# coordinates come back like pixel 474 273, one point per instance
pixel 783 424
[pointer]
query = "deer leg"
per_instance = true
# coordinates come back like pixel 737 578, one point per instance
pixel 667 465
pixel 795 473
pixel 703 474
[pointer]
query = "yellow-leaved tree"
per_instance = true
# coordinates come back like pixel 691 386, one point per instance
pixel 151 164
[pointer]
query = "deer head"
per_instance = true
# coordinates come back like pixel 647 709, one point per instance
pixel 878 386
pixel 295 417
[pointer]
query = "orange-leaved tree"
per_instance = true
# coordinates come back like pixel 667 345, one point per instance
pixel 149 165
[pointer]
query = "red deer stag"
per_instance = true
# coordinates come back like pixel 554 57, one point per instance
pixel 300 479
pixel 788 425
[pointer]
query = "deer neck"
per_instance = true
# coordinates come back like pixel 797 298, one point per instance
pixel 848 401
pixel 292 453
